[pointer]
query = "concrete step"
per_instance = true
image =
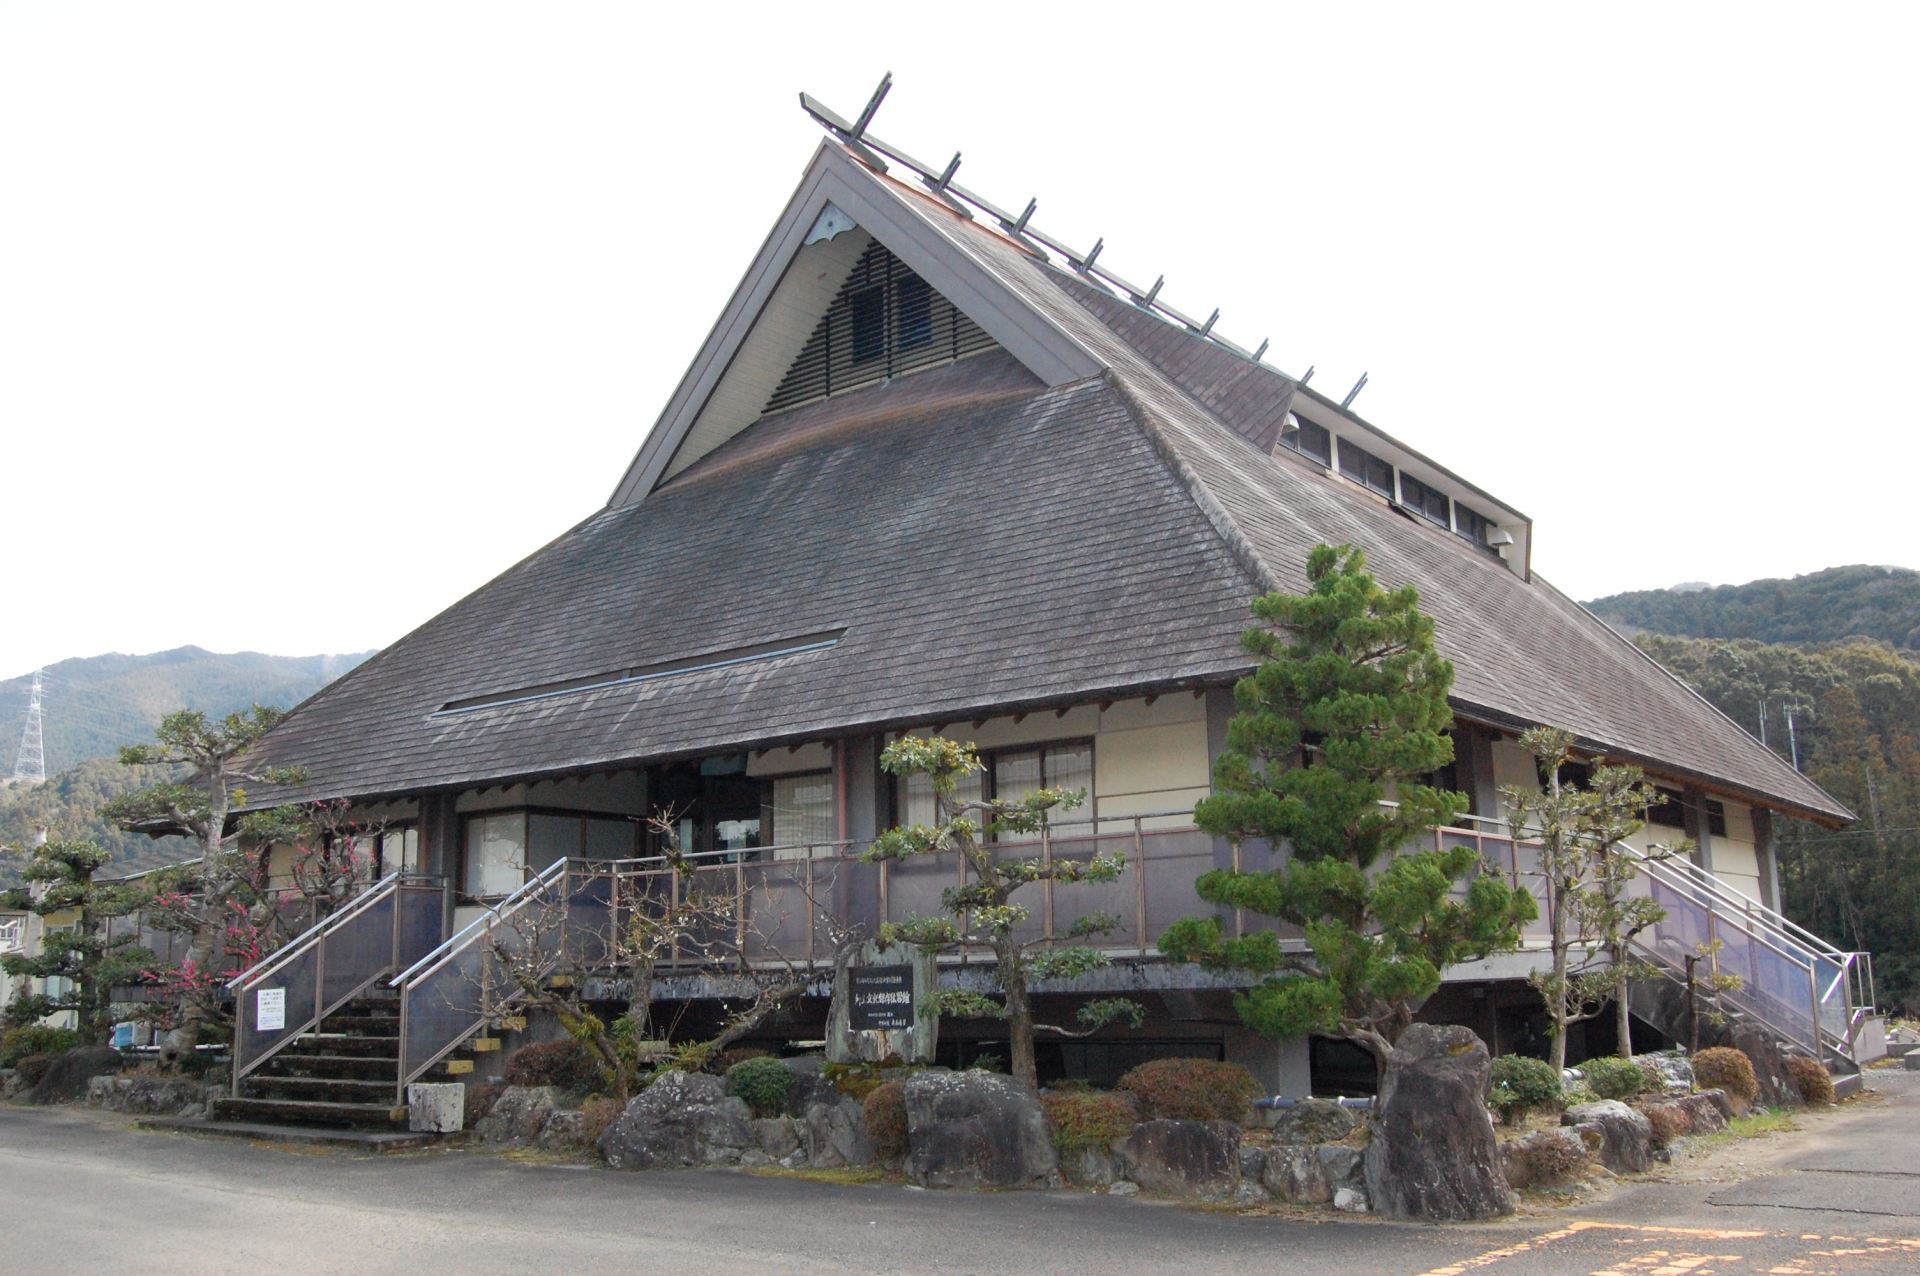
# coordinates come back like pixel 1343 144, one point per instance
pixel 324 1089
pixel 367 1022
pixel 300 1135
pixel 372 1045
pixel 312 1112
pixel 303 1063
pixel 1848 1084
pixel 1901 1049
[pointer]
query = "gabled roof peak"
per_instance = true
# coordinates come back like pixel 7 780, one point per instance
pixel 857 137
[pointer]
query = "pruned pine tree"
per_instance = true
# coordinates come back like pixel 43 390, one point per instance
pixel 983 912
pixel 207 895
pixel 1335 735
pixel 1592 921
pixel 74 948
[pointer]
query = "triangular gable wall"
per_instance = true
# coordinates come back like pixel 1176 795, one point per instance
pixel 794 281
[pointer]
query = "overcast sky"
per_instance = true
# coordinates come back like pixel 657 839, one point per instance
pixel 315 317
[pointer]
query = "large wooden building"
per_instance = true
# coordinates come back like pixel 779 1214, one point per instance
pixel 932 472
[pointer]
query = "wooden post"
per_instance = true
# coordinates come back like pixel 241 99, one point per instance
pixel 1139 887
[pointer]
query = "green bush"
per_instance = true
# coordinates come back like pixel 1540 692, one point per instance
pixel 36 1038
pixel 1088 1118
pixel 763 1082
pixel 885 1109
pixel 1725 1068
pixel 564 1063
pixel 1612 1077
pixel 34 1066
pixel 1190 1090
pixel 1522 1085
pixel 1814 1082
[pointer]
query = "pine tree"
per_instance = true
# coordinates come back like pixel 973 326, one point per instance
pixel 74 912
pixel 983 911
pixel 1336 733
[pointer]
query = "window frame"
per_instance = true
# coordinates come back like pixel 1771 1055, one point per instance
pixel 1086 813
pixel 1364 459
pixel 1415 503
pixel 769 817
pixel 1302 425
pixel 459 877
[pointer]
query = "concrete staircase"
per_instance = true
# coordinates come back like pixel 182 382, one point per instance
pixel 340 1074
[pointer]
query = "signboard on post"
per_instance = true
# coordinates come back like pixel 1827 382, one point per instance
pixel 270 1010
pixel 879 998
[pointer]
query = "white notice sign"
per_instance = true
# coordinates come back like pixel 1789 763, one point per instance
pixel 270 1010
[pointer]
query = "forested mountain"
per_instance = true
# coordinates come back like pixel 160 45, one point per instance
pixel 1825 606
pixel 94 706
pixel 1850 712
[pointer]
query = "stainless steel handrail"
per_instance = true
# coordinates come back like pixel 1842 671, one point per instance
pixel 495 912
pixel 309 937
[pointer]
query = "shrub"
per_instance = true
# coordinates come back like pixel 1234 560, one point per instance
pixel 1669 1122
pixel 1814 1082
pixel 1725 1068
pixel 1652 1081
pixel 1191 1090
pixel 597 1114
pixel 1088 1118
pixel 885 1109
pixel 765 1083
pixel 1612 1077
pixel 36 1038
pixel 1551 1161
pixel 564 1063
pixel 1522 1085
pixel 725 1061
pixel 34 1066
pixel 480 1098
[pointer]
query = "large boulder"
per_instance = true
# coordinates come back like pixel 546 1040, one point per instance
pixel 1545 1158
pixel 976 1129
pixel 1196 1159
pixel 1313 1121
pixel 68 1076
pixel 1620 1138
pixel 1697 1106
pixel 837 1135
pixel 779 1137
pixel 1433 1153
pixel 1777 1088
pixel 1675 1069
pixel 680 1121
pixel 1090 1165
pixel 518 1115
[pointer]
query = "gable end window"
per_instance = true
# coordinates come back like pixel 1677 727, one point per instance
pixel 884 321
pixel 1471 525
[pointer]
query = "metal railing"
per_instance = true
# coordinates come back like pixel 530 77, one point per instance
pixel 338 958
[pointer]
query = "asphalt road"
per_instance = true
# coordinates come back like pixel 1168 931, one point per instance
pixel 84 1192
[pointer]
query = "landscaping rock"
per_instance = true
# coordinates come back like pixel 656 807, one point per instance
pixel 837 1135
pixel 1675 1069
pixel 1314 1121
pixel 1124 1188
pixel 779 1136
pixel 1090 1165
pixel 809 1089
pixel 68 1077
pixel 976 1129
pixel 518 1115
pixel 1195 1159
pixel 145 1095
pixel 1253 1163
pixel 1707 1112
pixel 1352 1200
pixel 565 1130
pixel 1250 1193
pixel 1545 1158
pixel 436 1107
pixel 1625 1143
pixel 1777 1088
pixel 1294 1173
pixel 1433 1152
pixel 681 1120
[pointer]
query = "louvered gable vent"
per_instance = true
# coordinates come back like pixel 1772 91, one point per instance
pixel 885 321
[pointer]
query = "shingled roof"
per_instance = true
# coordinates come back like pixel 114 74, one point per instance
pixel 1003 532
